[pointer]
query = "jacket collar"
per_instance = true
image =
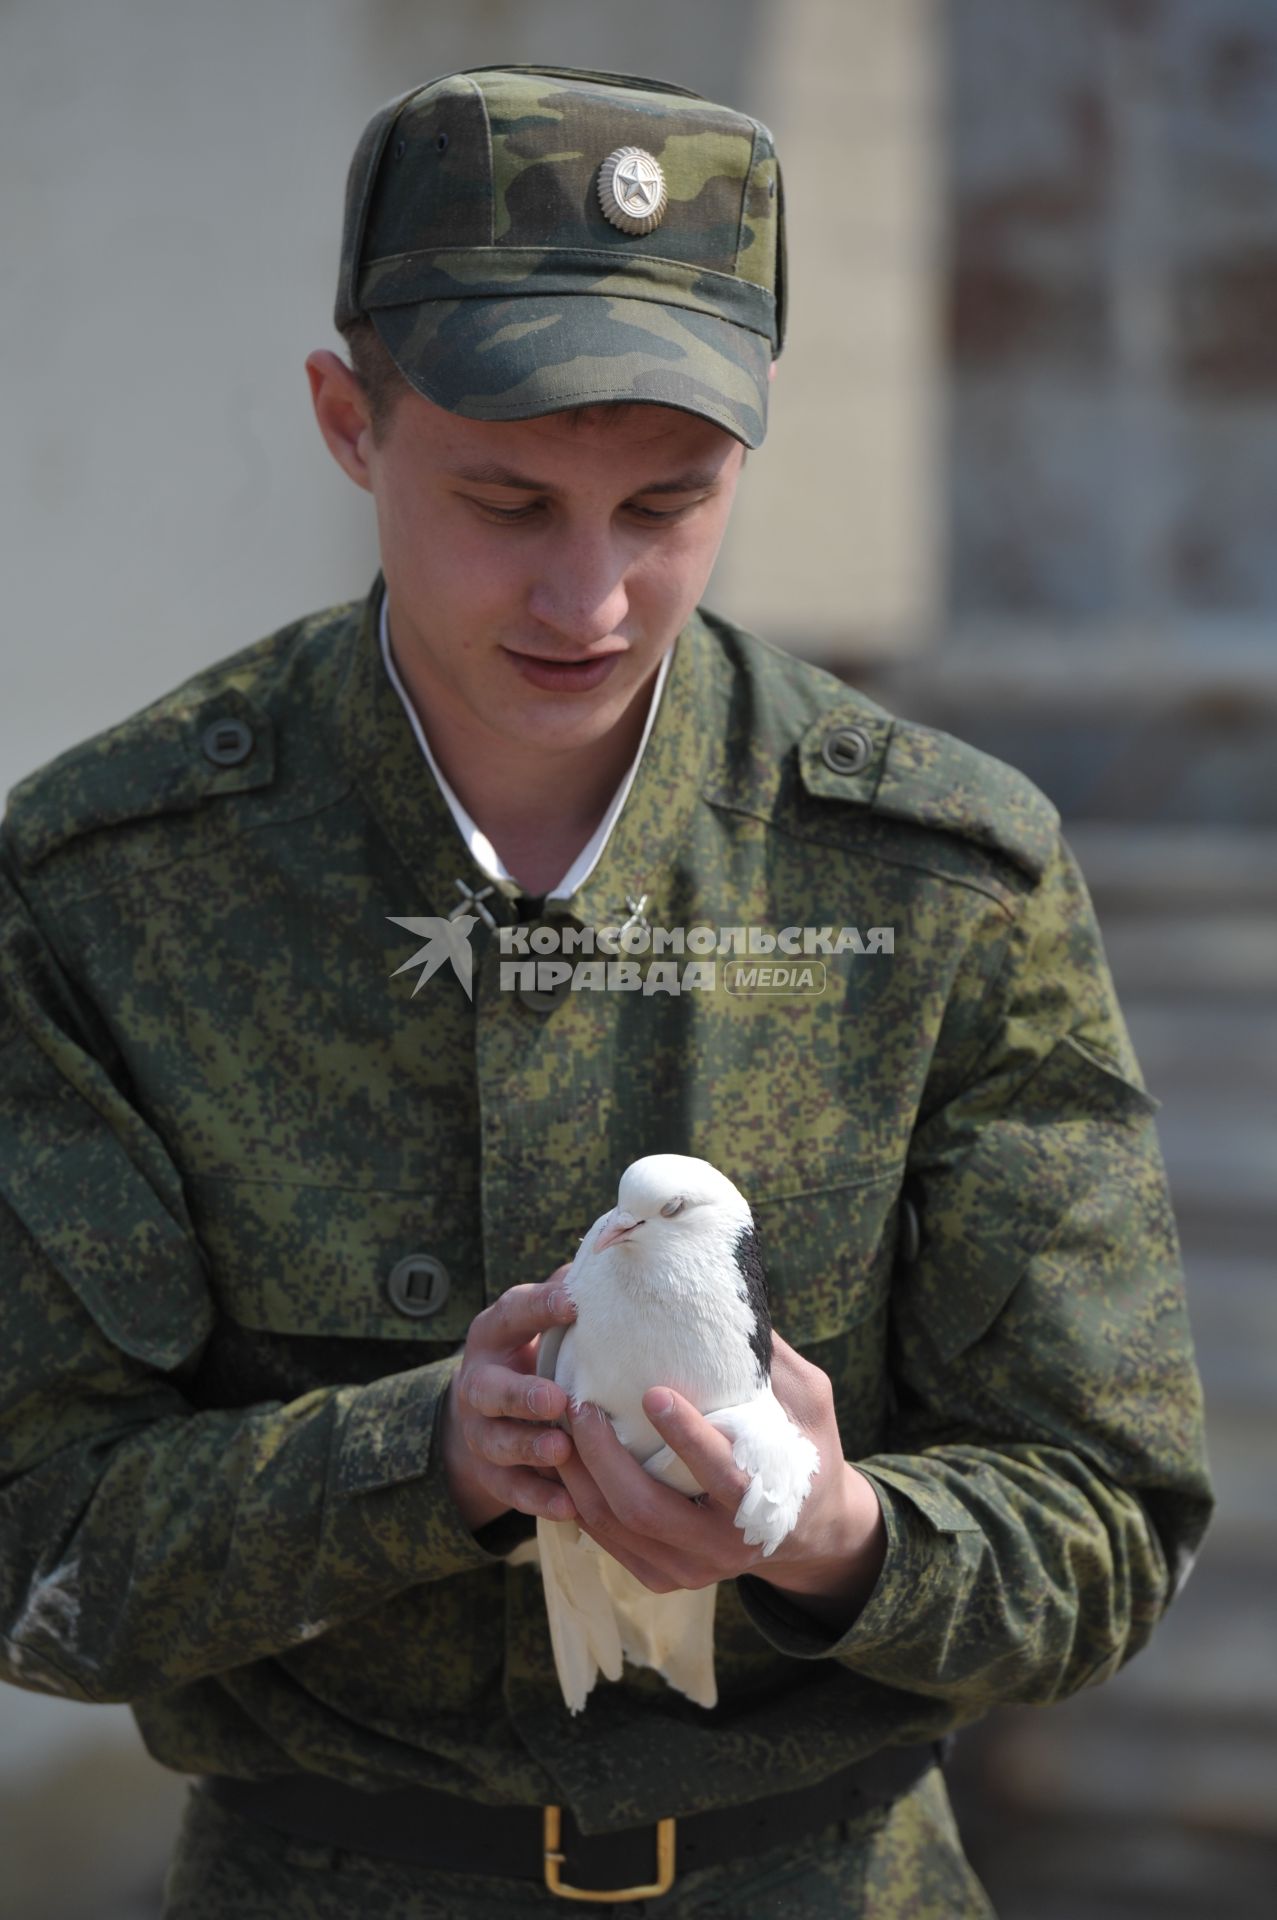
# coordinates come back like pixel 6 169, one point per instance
pixel 379 746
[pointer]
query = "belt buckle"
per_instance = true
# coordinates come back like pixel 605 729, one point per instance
pixel 554 1858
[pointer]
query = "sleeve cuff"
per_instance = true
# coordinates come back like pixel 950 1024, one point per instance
pixel 908 1569
pixel 390 1464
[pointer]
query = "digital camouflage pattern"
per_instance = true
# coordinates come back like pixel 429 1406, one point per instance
pixel 473 227
pixel 224 1118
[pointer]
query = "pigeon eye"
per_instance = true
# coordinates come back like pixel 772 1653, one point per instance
pixel 674 1206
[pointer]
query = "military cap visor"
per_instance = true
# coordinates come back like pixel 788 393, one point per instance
pixel 481 243
pixel 510 359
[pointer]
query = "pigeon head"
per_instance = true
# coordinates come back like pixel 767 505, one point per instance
pixel 667 1199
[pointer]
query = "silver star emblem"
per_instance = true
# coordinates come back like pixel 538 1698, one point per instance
pixel 638 183
pixel 632 190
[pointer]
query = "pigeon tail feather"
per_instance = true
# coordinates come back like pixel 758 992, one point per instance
pixel 599 1613
pixel 673 1633
pixel 583 1628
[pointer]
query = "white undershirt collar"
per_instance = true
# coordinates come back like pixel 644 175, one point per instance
pixel 482 851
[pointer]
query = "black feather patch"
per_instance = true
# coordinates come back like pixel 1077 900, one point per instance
pixel 749 1258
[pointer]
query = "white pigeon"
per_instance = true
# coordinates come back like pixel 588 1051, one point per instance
pixel 669 1291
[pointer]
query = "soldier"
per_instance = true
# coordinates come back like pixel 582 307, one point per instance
pixel 281 1185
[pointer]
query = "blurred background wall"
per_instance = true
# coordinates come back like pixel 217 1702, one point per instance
pixel 1020 482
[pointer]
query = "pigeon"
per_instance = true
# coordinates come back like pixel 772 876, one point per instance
pixel 669 1291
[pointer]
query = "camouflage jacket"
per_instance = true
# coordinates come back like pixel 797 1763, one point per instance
pixel 226 1120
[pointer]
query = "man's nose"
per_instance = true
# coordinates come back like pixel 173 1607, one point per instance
pixel 581 593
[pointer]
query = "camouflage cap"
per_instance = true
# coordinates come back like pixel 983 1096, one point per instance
pixel 477 243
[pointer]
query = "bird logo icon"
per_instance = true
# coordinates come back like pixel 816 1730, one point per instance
pixel 446 940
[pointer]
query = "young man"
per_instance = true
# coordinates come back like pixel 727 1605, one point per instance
pixel 282 1186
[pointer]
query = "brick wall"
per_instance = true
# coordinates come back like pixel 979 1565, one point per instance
pixel 1112 310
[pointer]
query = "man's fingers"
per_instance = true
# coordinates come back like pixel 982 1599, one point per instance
pixel 703 1449
pixel 612 1489
pixel 500 1394
pixel 508 1443
pixel 530 1494
pixel 521 1313
pixel 496 1404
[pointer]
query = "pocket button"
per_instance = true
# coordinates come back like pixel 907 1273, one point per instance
pixel 418 1285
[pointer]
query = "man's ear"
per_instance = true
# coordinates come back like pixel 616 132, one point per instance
pixel 342 412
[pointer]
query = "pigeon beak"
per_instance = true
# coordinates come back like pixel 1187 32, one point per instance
pixel 616 1229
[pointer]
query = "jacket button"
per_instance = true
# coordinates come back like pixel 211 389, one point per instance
pixel 227 742
pixel 545 999
pixel 418 1285
pixel 846 749
pixel 546 996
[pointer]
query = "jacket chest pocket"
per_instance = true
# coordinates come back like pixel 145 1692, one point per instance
pixel 339 1262
pixel 829 1254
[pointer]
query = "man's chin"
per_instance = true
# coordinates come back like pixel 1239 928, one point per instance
pixel 569 723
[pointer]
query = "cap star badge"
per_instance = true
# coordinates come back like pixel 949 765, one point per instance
pixel 632 190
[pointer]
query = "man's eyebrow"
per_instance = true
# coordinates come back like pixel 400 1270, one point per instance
pixel 695 480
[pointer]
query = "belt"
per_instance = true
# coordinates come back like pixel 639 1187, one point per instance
pixel 421 1827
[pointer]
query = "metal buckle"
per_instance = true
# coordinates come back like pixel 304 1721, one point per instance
pixel 554 1859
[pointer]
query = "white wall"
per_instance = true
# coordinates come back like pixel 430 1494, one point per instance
pixel 170 180
pixel 836 544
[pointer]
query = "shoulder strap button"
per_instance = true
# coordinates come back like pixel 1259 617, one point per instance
pixel 846 749
pixel 227 742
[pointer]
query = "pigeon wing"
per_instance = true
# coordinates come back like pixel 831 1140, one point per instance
pixel 584 1633
pixel 666 1466
pixel 548 1352
pixel 780 1461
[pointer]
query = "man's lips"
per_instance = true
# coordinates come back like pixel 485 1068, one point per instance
pixel 564 676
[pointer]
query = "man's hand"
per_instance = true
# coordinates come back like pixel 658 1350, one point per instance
pixel 828 1563
pixel 498 1450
